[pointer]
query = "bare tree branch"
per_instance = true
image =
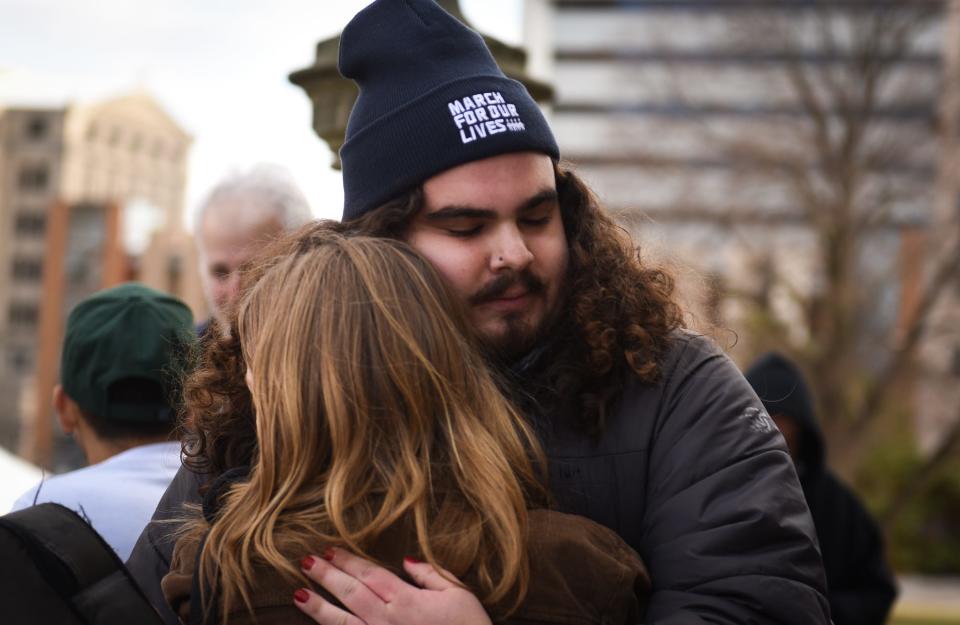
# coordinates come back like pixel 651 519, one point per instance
pixel 917 483
pixel 945 275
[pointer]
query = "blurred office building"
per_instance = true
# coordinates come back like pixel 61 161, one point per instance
pixel 782 155
pixel 90 195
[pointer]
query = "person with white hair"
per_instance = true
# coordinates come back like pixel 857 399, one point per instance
pixel 241 214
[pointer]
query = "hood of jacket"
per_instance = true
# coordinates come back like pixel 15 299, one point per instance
pixel 783 390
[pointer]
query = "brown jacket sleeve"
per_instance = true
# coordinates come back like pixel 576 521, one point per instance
pixel 581 573
pixel 177 584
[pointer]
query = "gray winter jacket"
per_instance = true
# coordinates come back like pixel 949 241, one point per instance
pixel 691 472
pixel 695 476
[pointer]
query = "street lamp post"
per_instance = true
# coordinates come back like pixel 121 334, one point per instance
pixel 333 96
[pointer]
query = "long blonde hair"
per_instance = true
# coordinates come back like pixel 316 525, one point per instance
pixel 373 411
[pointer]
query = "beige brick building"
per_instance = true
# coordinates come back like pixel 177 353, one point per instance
pixel 126 152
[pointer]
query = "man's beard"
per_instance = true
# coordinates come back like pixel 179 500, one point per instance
pixel 521 335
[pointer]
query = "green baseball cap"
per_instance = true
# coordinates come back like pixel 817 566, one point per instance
pixel 124 351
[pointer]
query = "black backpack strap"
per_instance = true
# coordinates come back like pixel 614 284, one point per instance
pixel 83 569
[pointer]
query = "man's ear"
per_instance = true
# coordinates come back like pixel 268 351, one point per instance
pixel 68 413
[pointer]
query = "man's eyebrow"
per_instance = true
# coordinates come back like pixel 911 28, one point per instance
pixel 454 211
pixel 547 195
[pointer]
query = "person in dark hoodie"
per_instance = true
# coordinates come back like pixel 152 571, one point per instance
pixel 860 585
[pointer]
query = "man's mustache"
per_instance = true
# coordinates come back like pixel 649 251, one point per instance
pixel 504 282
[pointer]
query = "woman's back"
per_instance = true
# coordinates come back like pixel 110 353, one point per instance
pixel 581 574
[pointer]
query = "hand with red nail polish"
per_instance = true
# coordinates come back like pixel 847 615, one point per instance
pixel 375 596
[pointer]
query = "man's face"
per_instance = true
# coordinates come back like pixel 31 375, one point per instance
pixel 791 434
pixel 224 247
pixel 493 230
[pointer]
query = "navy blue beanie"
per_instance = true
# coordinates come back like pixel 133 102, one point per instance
pixel 431 98
pixel 781 387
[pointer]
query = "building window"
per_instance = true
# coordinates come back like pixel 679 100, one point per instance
pixel 174 273
pixel 34 177
pixel 37 128
pixel 30 224
pixel 19 360
pixel 22 314
pixel 27 269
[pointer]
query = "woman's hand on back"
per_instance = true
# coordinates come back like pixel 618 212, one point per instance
pixel 375 596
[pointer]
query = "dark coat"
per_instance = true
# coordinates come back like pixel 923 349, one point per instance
pixel 861 586
pixel 581 573
pixel 693 475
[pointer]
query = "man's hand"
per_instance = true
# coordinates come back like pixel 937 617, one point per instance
pixel 375 596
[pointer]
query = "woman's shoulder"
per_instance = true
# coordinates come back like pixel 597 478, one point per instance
pixel 271 600
pixel 581 572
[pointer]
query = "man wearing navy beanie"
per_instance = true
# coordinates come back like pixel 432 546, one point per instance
pixel 649 428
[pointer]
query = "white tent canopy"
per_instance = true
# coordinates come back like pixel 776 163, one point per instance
pixel 16 476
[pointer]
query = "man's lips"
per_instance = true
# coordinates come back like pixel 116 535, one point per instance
pixel 509 287
pixel 510 301
pixel 513 294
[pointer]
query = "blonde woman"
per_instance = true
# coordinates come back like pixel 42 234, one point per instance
pixel 373 429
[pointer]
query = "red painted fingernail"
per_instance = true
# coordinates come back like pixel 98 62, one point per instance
pixel 328 554
pixel 301 596
pixel 412 560
pixel 307 563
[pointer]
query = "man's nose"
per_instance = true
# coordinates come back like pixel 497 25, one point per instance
pixel 232 285
pixel 510 250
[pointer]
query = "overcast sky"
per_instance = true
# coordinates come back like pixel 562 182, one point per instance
pixel 219 68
